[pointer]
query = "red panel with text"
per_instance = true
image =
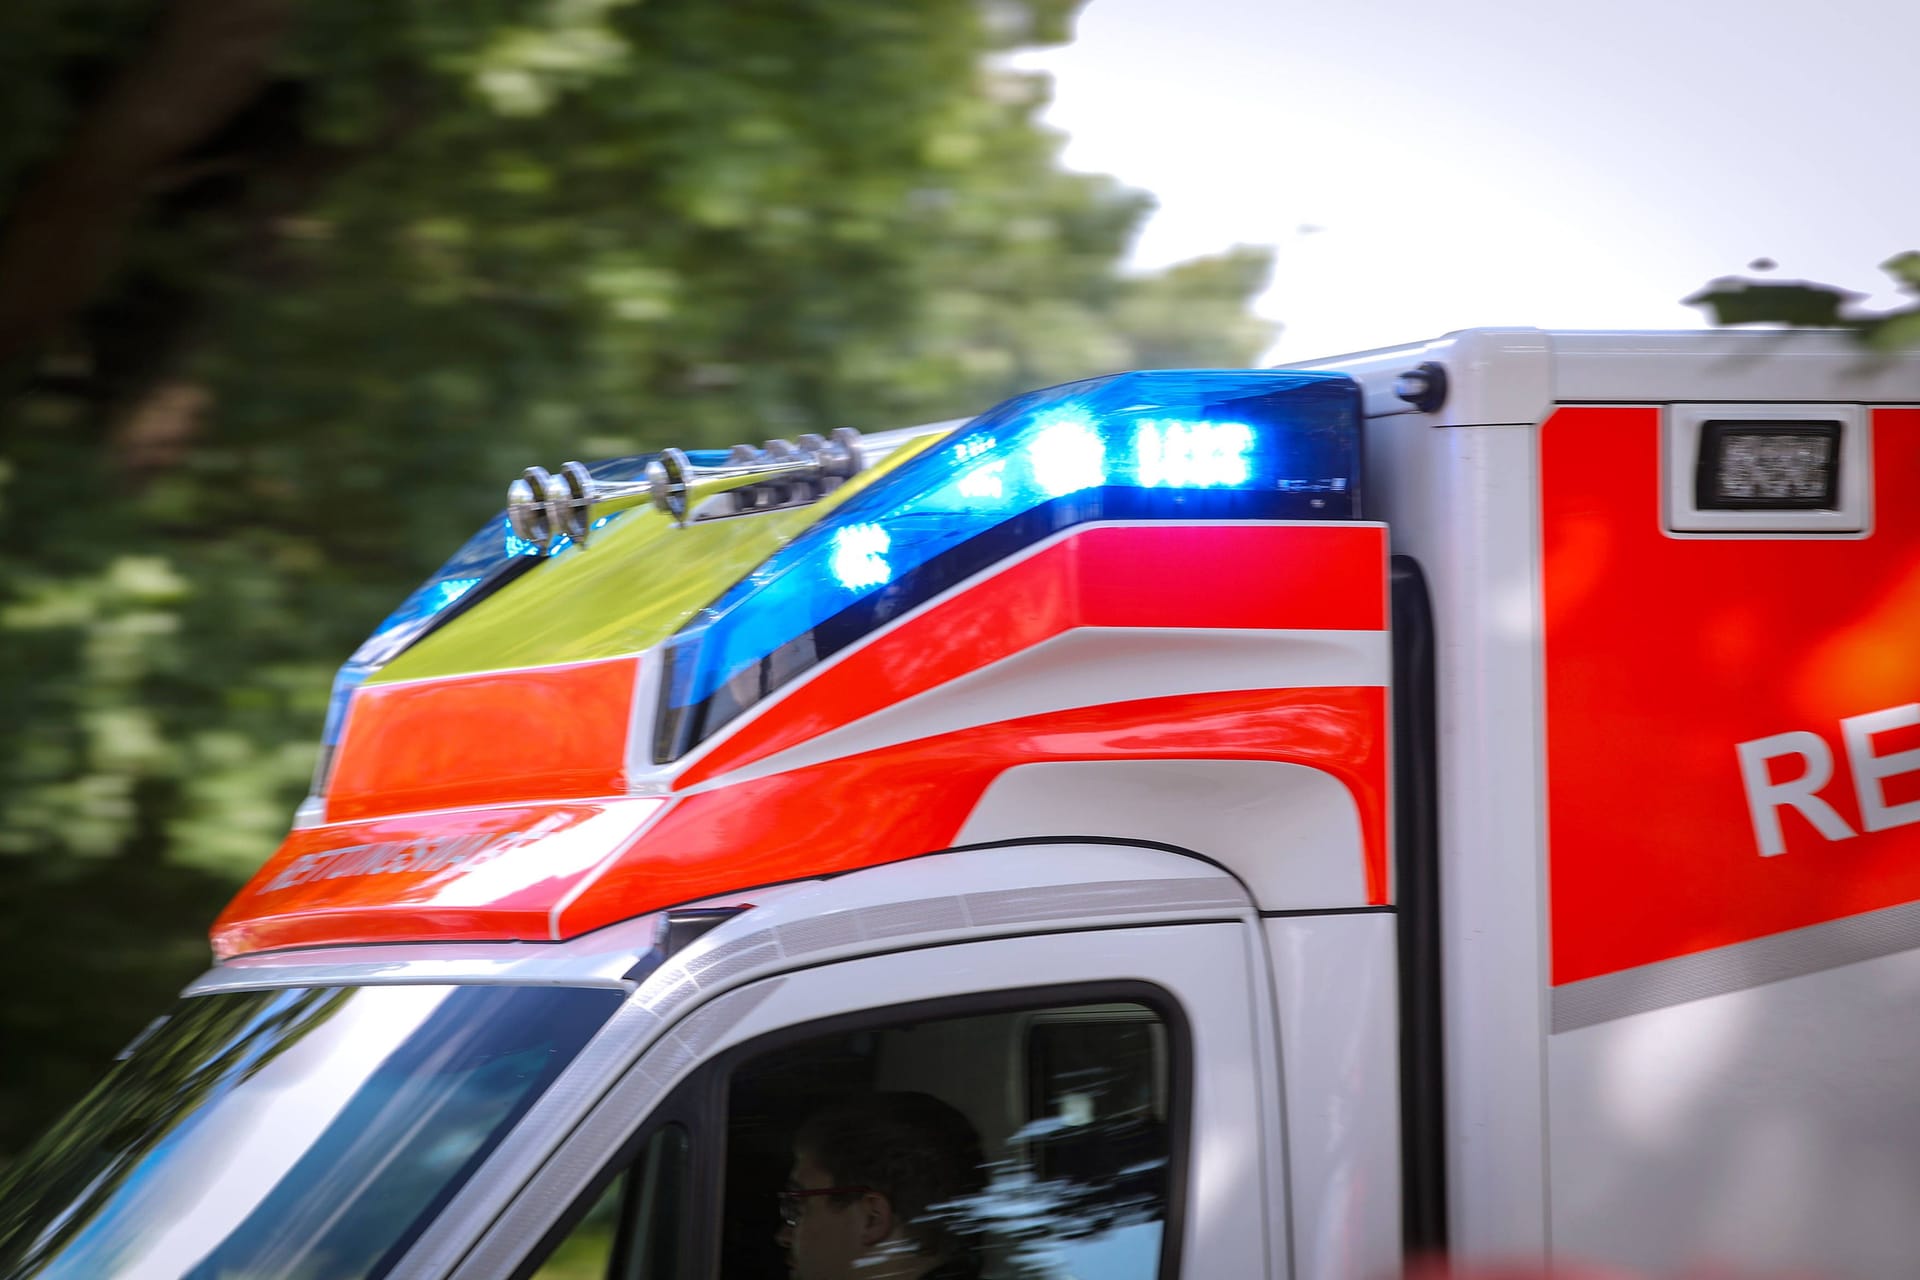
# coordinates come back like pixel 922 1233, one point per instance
pixel 1665 654
pixel 476 874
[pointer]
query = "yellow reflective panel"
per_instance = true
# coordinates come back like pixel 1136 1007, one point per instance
pixel 638 582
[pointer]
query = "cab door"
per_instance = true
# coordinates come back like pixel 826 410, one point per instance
pixel 1117 1082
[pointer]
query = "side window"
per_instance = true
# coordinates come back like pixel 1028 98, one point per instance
pixel 633 1231
pixel 1031 1144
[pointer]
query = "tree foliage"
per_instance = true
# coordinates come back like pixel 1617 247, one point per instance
pixel 1803 304
pixel 288 292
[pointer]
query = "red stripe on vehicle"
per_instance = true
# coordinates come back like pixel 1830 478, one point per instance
pixel 894 803
pixel 1231 576
pixel 474 874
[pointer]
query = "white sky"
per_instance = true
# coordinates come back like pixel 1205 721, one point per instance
pixel 1502 162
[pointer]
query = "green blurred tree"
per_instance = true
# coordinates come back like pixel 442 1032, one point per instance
pixel 287 292
pixel 1804 304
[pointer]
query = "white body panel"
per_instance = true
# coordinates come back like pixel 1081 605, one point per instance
pixel 1690 1135
pixel 1514 376
pixel 1684 1114
pixel 1459 501
pixel 1290 833
pixel 1335 987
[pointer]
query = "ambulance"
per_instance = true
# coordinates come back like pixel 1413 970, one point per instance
pixel 1453 801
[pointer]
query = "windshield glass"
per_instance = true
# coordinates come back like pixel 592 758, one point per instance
pixel 294 1132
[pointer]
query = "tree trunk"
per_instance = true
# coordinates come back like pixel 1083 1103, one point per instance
pixel 206 60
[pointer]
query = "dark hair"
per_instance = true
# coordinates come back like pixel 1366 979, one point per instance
pixel 914 1149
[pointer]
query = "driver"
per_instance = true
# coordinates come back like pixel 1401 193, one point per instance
pixel 871 1187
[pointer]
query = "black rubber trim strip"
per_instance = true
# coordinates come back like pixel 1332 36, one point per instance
pixel 1291 913
pixel 500 575
pixel 1123 842
pixel 1416 821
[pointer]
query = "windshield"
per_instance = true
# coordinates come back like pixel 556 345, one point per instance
pixel 295 1132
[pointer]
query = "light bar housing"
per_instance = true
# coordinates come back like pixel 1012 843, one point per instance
pixel 1158 445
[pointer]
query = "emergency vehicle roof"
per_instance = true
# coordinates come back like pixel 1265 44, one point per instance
pixel 541 742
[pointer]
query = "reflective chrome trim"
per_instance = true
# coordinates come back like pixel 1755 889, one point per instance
pixel 1735 968
pixel 790 938
pixel 603 958
pixel 605 1129
pixel 811 922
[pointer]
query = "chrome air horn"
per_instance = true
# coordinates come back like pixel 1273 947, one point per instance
pixel 543 507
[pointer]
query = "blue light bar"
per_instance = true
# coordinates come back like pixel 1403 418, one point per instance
pixel 1238 444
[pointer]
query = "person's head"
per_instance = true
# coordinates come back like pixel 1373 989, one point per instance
pixel 887 1158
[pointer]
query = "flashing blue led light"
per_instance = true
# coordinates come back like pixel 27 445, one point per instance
pixel 1066 453
pixel 453 588
pixel 859 557
pixel 969 447
pixel 987 484
pixel 1240 444
pixel 1174 454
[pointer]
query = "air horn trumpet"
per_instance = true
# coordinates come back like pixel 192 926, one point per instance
pixel 543 507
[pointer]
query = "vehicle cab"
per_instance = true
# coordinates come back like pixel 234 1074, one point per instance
pixel 1036 765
